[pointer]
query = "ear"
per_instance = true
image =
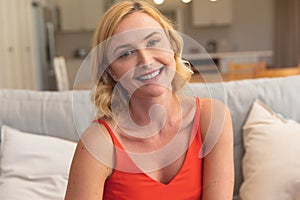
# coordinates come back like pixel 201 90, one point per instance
pixel 112 74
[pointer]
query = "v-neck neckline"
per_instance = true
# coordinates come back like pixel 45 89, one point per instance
pixel 194 130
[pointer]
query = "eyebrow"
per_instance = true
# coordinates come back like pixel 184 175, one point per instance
pixel 150 35
pixel 127 45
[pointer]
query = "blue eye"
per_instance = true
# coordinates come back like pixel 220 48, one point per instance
pixel 152 43
pixel 126 53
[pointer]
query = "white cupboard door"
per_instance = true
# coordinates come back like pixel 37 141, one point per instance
pixel 11 54
pixel 27 66
pixel 211 13
pixel 15 64
pixel 201 12
pixel 3 72
pixel 222 10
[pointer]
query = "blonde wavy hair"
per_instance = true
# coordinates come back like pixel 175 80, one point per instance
pixel 102 93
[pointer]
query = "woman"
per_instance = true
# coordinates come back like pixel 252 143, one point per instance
pixel 149 141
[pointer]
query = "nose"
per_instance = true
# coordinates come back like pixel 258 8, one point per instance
pixel 145 58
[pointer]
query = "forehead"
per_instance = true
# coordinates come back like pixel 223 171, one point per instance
pixel 133 29
pixel 136 20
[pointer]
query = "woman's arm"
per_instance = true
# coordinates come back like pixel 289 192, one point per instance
pixel 88 173
pixel 218 166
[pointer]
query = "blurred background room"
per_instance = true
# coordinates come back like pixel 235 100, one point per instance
pixel 44 42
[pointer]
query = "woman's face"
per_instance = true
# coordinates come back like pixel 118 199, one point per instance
pixel 140 56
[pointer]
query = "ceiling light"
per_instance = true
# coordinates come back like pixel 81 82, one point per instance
pixel 158 2
pixel 213 0
pixel 186 1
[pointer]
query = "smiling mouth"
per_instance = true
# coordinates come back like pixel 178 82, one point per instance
pixel 150 75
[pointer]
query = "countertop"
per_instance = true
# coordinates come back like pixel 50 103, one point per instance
pixel 220 55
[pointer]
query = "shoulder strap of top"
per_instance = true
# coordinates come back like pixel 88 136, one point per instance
pixel 196 124
pixel 111 133
pixel 198 109
pixel 199 115
pixel 198 103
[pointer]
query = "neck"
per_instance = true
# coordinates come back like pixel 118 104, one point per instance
pixel 154 110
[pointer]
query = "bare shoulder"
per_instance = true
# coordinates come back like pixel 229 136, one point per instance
pixel 214 116
pixel 92 164
pixel 209 105
pixel 97 142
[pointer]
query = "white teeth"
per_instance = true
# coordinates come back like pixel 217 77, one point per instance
pixel 149 76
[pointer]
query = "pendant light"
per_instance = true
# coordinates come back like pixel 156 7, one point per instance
pixel 158 2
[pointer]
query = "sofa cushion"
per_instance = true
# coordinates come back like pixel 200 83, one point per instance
pixel 271 164
pixel 33 166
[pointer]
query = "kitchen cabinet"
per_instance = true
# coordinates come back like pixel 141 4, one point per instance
pixel 78 15
pixel 211 13
pixel 17 68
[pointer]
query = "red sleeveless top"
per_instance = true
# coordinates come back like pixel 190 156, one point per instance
pixel 186 185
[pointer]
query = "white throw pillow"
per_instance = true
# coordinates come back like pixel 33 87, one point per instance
pixel 33 167
pixel 271 164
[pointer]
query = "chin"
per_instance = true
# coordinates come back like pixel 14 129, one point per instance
pixel 152 90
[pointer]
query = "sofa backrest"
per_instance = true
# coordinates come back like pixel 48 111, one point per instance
pixel 46 113
pixel 51 113
pixel 280 94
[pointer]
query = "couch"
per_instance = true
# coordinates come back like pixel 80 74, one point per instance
pixel 51 113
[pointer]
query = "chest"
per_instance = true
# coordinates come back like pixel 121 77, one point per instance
pixel 182 179
pixel 167 173
pixel 162 158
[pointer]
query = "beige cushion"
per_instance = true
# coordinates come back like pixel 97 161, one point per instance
pixel 271 164
pixel 33 166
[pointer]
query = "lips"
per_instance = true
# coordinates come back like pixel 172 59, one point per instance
pixel 149 76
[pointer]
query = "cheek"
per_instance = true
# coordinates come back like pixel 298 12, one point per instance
pixel 169 60
pixel 120 70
